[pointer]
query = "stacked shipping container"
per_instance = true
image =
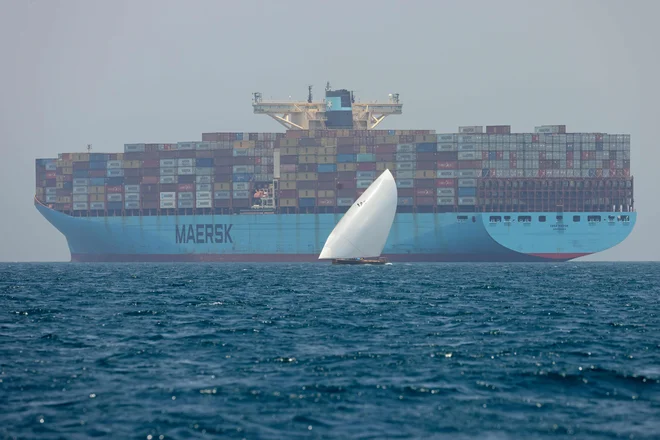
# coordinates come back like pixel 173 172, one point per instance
pixel 326 170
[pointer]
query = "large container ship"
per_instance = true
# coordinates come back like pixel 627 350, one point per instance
pixel 479 194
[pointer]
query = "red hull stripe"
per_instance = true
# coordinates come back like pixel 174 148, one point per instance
pixel 560 256
pixel 307 258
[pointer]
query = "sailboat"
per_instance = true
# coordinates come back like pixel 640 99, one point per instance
pixel 360 236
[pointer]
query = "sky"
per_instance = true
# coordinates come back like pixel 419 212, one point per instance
pixel 114 72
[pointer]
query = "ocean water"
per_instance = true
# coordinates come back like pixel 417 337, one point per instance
pixel 176 351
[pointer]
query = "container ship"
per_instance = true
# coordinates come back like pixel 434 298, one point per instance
pixel 480 194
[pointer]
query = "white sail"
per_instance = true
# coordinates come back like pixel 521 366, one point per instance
pixel 363 230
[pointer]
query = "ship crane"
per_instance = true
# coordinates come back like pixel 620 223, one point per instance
pixel 310 115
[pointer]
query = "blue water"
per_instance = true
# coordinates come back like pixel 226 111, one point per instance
pixel 151 351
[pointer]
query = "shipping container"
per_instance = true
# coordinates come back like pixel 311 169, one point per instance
pixel 345 201
pixel 185 204
pixel 186 195
pixel 206 203
pixel 222 195
pixel 203 195
pixel 467 201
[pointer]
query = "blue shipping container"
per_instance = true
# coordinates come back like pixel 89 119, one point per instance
pixel 80 174
pixel 97 181
pixel 366 174
pixel 366 157
pixel 242 177
pixel 98 165
pixel 98 157
pixel 205 162
pixel 306 202
pixel 67 185
pixel 345 158
pixel 326 168
pixel 485 172
pixel 115 181
pixel 467 192
pixel 492 155
pixel 427 147
pixel 115 205
pixel 239 136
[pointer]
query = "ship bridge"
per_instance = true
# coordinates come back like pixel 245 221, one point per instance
pixel 320 115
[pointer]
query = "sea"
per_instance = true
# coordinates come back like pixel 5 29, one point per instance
pixel 273 351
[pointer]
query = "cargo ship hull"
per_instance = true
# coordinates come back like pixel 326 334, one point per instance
pixel 422 237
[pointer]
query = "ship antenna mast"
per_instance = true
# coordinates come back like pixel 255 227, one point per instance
pixel 327 86
pixel 309 95
pixel 89 147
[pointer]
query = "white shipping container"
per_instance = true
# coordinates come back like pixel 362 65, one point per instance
pixel 446 201
pixel 131 188
pixel 204 187
pixel 446 147
pixel 203 195
pixel 468 173
pixel 468 155
pixel 167 204
pixel 134 148
pixel 52 166
pixel 364 183
pixel 467 183
pixel 467 200
pixel 467 147
pixel 186 171
pixel 471 129
pixel 405 166
pixel 405 157
pixel 115 197
pixel 80 198
pixel 113 164
pixel 51 199
pixel 168 171
pixel 80 189
pixel 446 192
pixel 132 197
pixel 344 201
pixel 204 203
pixel 186 204
pixel 446 138
pixel 185 196
pixel 132 205
pixel 240 169
pixel 204 179
pixel 115 173
pixel 240 186
pixel 202 146
pixel 204 171
pixel 97 205
pixel 405 148
pixel 445 174
pixel 240 194
pixel 80 182
pixel 168 163
pixel 404 183
pixel 405 174
pixel 222 195
pixel 51 191
pixel 185 145
pixel 168 179
pixel 168 196
pixel 80 206
pixel 185 163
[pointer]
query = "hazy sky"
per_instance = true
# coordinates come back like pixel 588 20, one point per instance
pixel 113 72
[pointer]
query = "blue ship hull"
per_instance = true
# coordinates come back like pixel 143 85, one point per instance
pixel 298 238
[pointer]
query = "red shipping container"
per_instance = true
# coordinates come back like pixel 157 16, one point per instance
pixel 132 172
pixel 626 172
pixel 469 164
pixel 326 202
pixel 612 164
pixel 150 179
pixel 223 153
pixel 67 156
pixel 569 155
pixel 447 165
pixel 168 154
pixel 424 183
pixel 385 157
pixel 186 187
pixel 204 154
pixel 345 175
pixel 223 178
pixel 541 155
pixel 569 163
pixel 541 173
pixel 288 193
pixel 246 160
pixel 167 187
pixel 405 192
pixel 425 166
pixel 513 155
pixel 223 169
pixel 133 155
pixel 113 156
pixel 425 201
pixel 151 172
pixel 513 163
pixel 345 149
pixel 425 191
pixel 343 184
pixel 151 164
pixel 445 183
pixel 69 177
pixel 114 189
pixel 535 138
pixel 484 155
pixel 51 175
pixel 499 155
pixel 186 154
pixel 385 148
pixel 257 160
pixel 367 166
